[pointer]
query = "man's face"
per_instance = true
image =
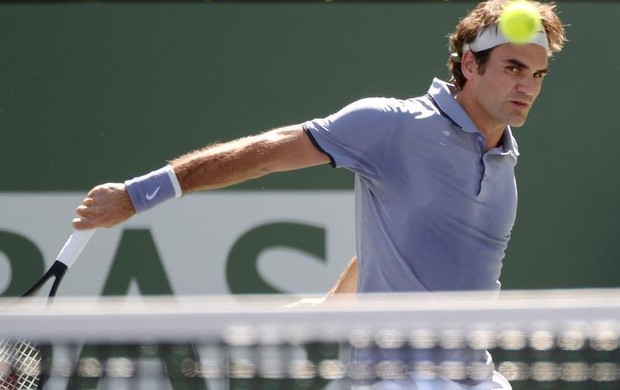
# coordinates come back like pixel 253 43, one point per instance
pixel 504 91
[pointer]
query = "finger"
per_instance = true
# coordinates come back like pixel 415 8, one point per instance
pixel 92 192
pixel 83 211
pixel 81 223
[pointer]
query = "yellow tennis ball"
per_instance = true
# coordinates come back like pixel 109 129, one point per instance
pixel 520 21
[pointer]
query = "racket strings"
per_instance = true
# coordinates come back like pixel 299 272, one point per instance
pixel 20 365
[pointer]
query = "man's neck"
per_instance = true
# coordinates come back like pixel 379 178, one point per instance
pixel 492 131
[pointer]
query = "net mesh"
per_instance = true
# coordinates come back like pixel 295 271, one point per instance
pixel 537 340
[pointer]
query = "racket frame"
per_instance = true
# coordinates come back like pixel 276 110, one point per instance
pixel 70 251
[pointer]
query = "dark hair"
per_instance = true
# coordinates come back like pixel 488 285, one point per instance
pixel 482 57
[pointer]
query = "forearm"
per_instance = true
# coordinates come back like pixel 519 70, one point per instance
pixel 347 282
pixel 345 285
pixel 222 165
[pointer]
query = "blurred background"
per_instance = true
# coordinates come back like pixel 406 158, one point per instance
pixel 93 91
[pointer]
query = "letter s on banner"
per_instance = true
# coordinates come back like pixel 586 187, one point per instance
pixel 242 264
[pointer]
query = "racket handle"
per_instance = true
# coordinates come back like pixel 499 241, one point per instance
pixel 74 246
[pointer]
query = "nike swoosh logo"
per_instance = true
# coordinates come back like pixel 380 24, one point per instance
pixel 153 194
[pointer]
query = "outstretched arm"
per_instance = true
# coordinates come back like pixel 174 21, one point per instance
pixel 214 166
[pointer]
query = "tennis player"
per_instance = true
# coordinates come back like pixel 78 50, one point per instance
pixel 435 186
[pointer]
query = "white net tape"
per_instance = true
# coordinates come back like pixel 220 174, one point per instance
pixel 543 337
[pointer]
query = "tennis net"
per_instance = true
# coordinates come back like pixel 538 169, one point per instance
pixel 538 340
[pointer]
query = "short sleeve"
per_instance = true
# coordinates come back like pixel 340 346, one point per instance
pixel 356 136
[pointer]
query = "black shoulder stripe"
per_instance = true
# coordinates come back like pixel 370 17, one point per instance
pixel 332 162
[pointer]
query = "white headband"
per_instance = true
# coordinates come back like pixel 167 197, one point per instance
pixel 491 37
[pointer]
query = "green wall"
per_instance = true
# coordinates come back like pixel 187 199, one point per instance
pixel 94 92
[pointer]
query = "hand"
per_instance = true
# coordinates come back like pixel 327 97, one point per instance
pixel 305 302
pixel 329 299
pixel 105 206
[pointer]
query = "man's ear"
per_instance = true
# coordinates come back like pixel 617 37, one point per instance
pixel 469 67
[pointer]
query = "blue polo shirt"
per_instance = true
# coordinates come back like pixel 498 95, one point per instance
pixel 434 211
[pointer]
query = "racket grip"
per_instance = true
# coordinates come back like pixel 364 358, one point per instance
pixel 74 246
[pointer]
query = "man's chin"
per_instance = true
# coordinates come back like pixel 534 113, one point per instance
pixel 517 122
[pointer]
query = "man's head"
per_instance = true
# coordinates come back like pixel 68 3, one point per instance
pixel 483 19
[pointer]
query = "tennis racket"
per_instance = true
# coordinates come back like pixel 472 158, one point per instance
pixel 20 360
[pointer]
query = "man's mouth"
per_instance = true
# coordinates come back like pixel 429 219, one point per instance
pixel 520 104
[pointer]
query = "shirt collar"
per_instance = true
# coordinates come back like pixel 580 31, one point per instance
pixel 444 96
pixel 509 143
